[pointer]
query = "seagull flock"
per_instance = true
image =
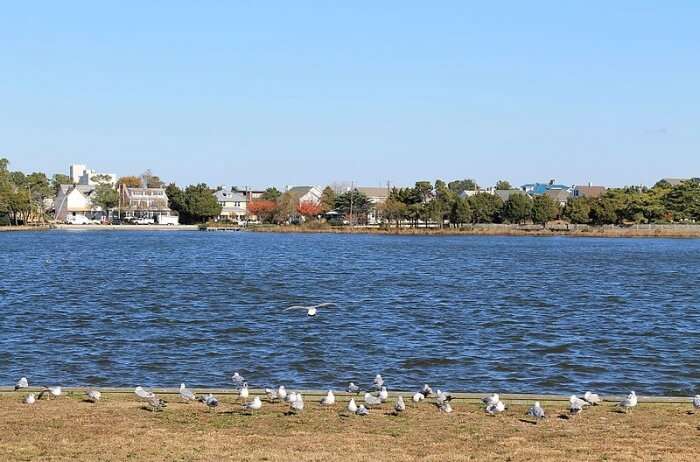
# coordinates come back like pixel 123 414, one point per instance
pixel 378 396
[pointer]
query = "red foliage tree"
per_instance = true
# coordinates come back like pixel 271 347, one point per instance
pixel 263 209
pixel 309 209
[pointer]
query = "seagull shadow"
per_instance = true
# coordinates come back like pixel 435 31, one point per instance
pixel 690 413
pixel 528 421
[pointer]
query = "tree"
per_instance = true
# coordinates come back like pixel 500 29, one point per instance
pixel 309 209
pixel 263 209
pixel 286 208
pixel 354 205
pixel 459 186
pixel 485 207
pixel 544 209
pixel 393 209
pixel 577 210
pixel 503 185
pixel 196 204
pixel 460 212
pixel 151 180
pixel 130 181
pixel 106 197
pixel 327 199
pixel 518 208
pixel 270 194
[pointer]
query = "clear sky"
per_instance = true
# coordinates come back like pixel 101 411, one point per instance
pixel 298 92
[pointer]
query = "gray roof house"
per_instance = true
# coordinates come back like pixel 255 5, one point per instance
pixel 234 204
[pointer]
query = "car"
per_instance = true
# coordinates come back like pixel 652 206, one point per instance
pixel 78 220
pixel 144 221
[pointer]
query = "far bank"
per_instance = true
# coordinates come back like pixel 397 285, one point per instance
pixel 632 231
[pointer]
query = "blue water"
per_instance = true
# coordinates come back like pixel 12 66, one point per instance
pixel 511 314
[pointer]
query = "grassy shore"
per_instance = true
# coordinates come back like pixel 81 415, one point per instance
pixel 505 230
pixel 120 428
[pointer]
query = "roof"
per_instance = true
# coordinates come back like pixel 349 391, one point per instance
pixel 376 192
pixel 83 188
pixel 541 188
pixel 300 190
pixel 589 191
pixel 224 195
pixel 558 195
pixel 505 194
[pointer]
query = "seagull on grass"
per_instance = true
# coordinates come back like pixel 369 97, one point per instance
pixel 400 405
pixel 629 402
pixel 30 399
pixel 310 310
pixel 696 402
pixel 444 406
pixel 186 394
pixel 254 405
pixel 418 397
pixel 298 404
pixel 536 411
pixel 576 404
pixel 592 398
pixel 54 391
pixel 383 394
pixel 21 383
pixel 362 410
pixel 93 395
pixel 378 382
pixel 352 388
pixel 329 399
pixel 237 380
pixel 352 406
pixel 209 400
pixel 282 392
pixel 371 400
pixel 495 408
pixel 491 399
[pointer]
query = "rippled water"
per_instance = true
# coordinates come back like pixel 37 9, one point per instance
pixel 465 313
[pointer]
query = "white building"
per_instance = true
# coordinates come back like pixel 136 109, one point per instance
pixel 306 194
pixel 80 174
pixel 75 200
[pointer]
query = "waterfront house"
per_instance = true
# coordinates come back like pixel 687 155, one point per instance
pixel 75 200
pixel 306 194
pixel 560 196
pixel 538 189
pixel 233 204
pixel 505 194
pixel 146 203
pixel 592 192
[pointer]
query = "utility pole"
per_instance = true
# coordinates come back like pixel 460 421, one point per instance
pixel 352 187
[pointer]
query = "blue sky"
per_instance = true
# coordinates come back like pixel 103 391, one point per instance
pixel 274 93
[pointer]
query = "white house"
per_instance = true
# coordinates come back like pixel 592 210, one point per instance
pixel 306 194
pixel 75 200
pixel 234 204
pixel 80 174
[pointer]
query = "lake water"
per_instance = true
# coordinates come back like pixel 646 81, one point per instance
pixel 505 314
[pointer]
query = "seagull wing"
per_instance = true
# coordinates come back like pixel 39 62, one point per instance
pixel 321 305
pixel 296 307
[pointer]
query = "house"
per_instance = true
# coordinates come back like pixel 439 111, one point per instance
pixel 560 196
pixel 505 194
pixel 146 203
pixel 375 195
pixel 233 204
pixel 306 194
pixel 589 191
pixel 538 189
pixel 75 200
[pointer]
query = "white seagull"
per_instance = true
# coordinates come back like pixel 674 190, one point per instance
pixel 362 410
pixel 282 392
pixel 383 394
pixel 298 403
pixel 576 404
pixel 400 405
pixel 352 407
pixel 329 399
pixel 254 405
pixel 418 397
pixel 495 408
pixel 592 398
pixel 30 399
pixel 243 392
pixel 378 382
pixel 143 394
pixel 536 411
pixel 372 400
pixel 52 391
pixel 209 400
pixel 237 379
pixel 444 406
pixel 186 394
pixel 21 383
pixel 491 399
pixel 352 388
pixel 629 402
pixel 93 395
pixel 696 402
pixel 427 391
pixel 310 310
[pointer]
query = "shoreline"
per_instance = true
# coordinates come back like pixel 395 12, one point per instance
pixel 647 231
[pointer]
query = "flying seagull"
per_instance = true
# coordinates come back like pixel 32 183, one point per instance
pixel 21 383
pixel 93 395
pixel 310 310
